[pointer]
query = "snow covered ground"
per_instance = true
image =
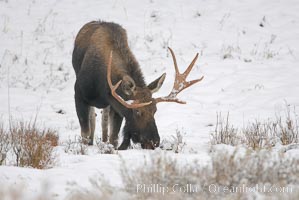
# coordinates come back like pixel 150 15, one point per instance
pixel 248 55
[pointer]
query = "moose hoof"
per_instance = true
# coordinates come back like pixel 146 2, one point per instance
pixel 90 143
pixel 122 147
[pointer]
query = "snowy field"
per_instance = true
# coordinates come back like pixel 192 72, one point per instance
pixel 248 55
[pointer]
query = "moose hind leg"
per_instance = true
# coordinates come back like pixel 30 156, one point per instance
pixel 83 111
pixel 105 121
pixel 115 121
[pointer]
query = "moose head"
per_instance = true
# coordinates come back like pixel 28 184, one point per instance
pixel 141 107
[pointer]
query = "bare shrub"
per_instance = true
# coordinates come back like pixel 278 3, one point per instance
pixel 224 132
pixel 17 142
pixel 232 170
pixel 174 143
pixel 163 176
pixel 265 49
pixel 289 128
pixel 253 167
pixel 230 51
pixel 258 135
pixel 77 146
pixel 52 136
pixel 32 147
pixel 104 147
pixel 159 171
pixel 4 144
pixel 265 135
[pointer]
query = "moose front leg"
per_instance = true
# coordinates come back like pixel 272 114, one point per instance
pixel 125 144
pixel 92 124
pixel 86 120
pixel 126 140
pixel 115 121
pixel 105 122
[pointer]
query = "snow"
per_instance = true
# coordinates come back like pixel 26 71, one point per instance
pixel 259 40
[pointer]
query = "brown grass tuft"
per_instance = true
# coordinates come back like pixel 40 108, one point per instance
pixel 32 147
pixel 4 144
pixel 28 145
pixel 258 135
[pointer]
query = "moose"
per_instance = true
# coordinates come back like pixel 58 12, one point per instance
pixel 108 77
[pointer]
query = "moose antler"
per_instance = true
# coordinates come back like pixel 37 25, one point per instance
pixel 180 82
pixel 113 88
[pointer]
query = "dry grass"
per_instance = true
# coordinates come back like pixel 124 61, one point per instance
pixel 4 144
pixel 163 176
pixel 288 129
pixel 104 147
pixel 159 177
pixel 224 132
pixel 174 143
pixel 77 146
pixel 253 167
pixel 28 145
pixel 32 147
pixel 258 135
pixel 230 51
pixel 227 170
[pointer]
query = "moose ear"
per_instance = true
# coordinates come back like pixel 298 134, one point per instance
pixel 128 85
pixel 156 84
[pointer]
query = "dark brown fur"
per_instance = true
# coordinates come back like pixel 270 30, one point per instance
pixel 93 45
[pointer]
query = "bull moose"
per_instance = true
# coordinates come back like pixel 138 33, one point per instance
pixel 109 77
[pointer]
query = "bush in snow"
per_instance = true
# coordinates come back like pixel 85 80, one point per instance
pixel 159 169
pixel 243 166
pixel 247 173
pixel 173 143
pixel 32 147
pixel 265 135
pixel 104 147
pixel 258 135
pixel 230 51
pixel 288 129
pixel 224 132
pixel 77 146
pixel 4 144
pixel 100 189
pixel 162 175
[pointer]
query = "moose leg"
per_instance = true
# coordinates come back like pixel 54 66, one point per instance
pixel 126 142
pixel 105 121
pixel 115 121
pixel 83 111
pixel 92 124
